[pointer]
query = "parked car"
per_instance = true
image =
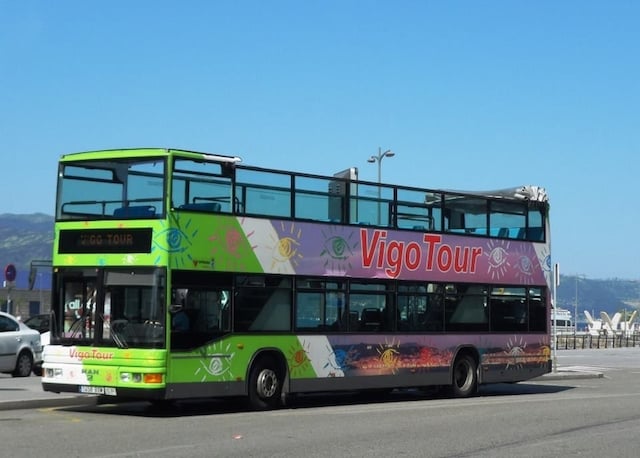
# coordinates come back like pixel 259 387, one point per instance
pixel 20 347
pixel 40 323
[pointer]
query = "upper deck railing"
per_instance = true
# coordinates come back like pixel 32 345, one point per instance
pixel 251 191
pixel 136 187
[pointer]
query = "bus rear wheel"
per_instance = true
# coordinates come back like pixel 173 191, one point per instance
pixel 265 385
pixel 465 377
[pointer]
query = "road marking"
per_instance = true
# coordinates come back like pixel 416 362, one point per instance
pixel 57 412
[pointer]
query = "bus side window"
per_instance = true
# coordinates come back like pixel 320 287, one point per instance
pixel 224 321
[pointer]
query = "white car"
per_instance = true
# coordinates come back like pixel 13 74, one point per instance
pixel 20 347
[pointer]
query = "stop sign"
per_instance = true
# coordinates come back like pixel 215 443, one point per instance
pixel 10 272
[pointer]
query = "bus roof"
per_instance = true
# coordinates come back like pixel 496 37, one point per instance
pixel 528 192
pixel 147 152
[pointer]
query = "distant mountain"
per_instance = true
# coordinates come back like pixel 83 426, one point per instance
pixel 24 238
pixel 595 295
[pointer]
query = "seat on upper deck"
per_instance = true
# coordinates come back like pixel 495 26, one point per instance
pixel 135 211
pixel 202 206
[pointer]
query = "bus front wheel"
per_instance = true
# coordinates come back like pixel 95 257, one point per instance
pixel 265 385
pixel 465 377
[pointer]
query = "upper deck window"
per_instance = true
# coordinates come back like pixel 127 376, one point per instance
pixel 264 192
pixel 131 188
pixel 201 186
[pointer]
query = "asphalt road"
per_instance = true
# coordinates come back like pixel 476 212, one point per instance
pixel 23 393
pixel 597 415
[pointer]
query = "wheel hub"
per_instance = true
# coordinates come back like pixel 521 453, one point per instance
pixel 267 383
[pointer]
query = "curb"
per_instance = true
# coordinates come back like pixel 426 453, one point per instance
pixel 568 375
pixel 48 403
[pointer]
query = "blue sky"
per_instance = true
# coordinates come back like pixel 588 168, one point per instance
pixel 470 95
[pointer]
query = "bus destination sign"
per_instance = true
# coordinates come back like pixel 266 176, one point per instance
pixel 133 240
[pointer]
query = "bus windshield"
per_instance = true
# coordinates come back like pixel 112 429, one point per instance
pixel 129 313
pixel 123 189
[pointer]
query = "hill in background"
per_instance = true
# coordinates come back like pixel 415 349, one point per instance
pixel 597 295
pixel 24 238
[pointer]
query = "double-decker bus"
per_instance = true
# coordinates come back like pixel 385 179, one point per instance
pixel 287 282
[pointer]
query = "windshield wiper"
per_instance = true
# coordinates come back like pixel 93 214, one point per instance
pixel 77 329
pixel 116 330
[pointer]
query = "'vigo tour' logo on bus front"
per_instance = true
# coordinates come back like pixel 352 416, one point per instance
pixel 93 353
pixel 395 255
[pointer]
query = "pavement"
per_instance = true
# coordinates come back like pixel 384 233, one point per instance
pixel 570 373
pixel 27 393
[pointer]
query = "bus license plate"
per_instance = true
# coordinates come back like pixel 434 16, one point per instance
pixel 98 390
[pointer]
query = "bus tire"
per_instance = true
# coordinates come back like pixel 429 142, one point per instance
pixel 464 382
pixel 265 385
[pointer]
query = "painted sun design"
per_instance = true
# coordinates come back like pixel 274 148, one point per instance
pixel 285 250
pixel 389 354
pixel 176 241
pixel 338 249
pixel 219 365
pixel 515 352
pixel 546 354
pixel 498 262
pixel 228 243
pixel 299 361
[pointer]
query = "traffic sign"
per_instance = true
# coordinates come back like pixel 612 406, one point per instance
pixel 10 273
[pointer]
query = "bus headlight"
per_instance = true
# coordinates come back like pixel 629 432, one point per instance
pixel 52 372
pixel 137 377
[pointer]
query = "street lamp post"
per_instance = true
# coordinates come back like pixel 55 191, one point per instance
pixel 575 310
pixel 575 318
pixel 40 290
pixel 381 155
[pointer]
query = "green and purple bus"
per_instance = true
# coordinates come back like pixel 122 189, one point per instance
pixel 287 282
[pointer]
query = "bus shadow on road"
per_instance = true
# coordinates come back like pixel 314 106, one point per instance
pixel 208 407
